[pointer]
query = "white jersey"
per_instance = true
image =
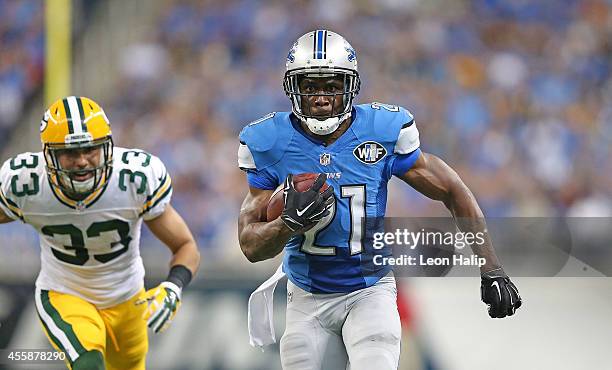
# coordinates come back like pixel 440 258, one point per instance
pixel 90 248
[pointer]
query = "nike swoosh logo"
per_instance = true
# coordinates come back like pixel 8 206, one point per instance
pixel 300 213
pixel 496 285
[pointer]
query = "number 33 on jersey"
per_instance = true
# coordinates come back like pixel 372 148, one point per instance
pixel 95 239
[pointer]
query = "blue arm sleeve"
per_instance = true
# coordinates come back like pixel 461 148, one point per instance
pixel 403 162
pixel 261 180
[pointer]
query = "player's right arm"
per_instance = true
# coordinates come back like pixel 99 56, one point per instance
pixel 18 181
pixel 4 218
pixel 260 240
pixel 262 144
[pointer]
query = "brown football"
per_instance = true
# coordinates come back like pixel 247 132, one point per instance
pixel 302 182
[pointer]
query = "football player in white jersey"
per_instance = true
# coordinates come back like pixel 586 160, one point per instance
pixel 87 200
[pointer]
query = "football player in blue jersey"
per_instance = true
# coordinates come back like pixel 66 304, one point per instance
pixel 338 313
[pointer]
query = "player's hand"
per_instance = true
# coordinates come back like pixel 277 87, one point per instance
pixel 304 209
pixel 499 293
pixel 163 303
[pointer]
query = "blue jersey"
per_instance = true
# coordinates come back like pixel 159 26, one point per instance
pixel 382 140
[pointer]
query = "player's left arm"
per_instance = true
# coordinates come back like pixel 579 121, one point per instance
pixel 164 300
pixel 171 229
pixel 435 179
pixel 432 177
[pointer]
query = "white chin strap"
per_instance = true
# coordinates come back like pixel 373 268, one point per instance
pixel 79 186
pixel 84 186
pixel 326 126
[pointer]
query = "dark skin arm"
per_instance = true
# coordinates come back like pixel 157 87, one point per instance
pixel 4 218
pixel 435 179
pixel 260 240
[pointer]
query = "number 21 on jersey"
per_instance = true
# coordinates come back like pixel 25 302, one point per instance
pixel 356 196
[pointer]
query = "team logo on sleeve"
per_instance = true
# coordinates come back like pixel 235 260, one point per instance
pixel 370 152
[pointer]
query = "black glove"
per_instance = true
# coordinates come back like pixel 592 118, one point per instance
pixel 304 209
pixel 499 293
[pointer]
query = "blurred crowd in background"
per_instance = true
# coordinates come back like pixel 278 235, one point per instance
pixel 21 59
pixel 515 95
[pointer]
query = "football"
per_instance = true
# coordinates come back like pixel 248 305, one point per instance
pixel 302 182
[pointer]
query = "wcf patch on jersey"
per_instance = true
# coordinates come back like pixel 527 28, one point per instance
pixel 370 152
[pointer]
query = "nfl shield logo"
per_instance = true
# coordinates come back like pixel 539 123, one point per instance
pixel 325 159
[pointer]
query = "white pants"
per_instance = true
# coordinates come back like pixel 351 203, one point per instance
pixel 357 331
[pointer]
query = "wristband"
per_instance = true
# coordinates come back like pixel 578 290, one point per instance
pixel 179 275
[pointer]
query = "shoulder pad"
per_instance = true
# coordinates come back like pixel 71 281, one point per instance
pixel 20 178
pixel 391 125
pixel 263 142
pixel 138 162
pixel 148 177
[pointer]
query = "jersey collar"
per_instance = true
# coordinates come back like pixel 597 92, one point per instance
pixel 82 204
pixel 295 122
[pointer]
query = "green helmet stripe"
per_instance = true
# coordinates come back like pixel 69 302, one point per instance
pixel 68 116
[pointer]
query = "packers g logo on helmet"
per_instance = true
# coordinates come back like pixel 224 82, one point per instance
pixel 76 123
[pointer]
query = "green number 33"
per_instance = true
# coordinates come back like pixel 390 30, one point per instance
pixel 77 241
pixel 30 188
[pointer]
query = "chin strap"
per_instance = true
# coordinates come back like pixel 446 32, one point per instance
pixel 326 126
pixel 84 186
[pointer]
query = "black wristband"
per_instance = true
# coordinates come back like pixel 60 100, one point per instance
pixel 495 273
pixel 179 275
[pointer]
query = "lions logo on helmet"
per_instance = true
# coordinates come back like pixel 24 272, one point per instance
pixel 352 56
pixel 321 53
pixel 76 123
pixel 291 55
